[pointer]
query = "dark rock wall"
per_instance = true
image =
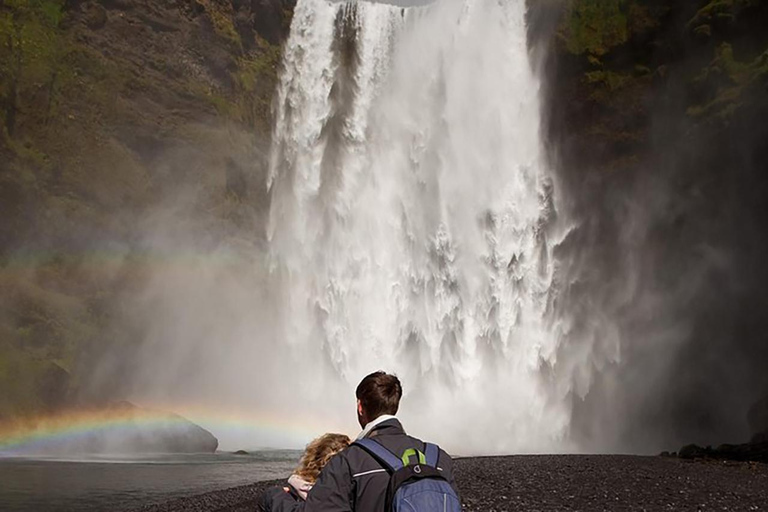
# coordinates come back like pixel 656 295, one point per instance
pixel 654 116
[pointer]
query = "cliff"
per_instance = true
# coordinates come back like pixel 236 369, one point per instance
pixel 654 124
pixel 109 113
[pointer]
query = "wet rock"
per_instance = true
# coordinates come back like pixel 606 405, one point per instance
pixel 694 451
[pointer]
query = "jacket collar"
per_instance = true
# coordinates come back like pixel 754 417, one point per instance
pixel 383 422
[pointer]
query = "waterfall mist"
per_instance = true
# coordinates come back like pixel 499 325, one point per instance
pixel 412 227
pixel 414 223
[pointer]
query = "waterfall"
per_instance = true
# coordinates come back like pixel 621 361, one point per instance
pixel 413 220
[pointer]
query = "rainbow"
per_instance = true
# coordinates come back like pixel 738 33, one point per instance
pixel 39 434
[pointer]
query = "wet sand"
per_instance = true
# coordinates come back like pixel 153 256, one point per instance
pixel 566 482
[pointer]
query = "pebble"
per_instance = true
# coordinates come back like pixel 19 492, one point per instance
pixel 564 482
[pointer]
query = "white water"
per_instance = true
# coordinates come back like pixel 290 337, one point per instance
pixel 412 220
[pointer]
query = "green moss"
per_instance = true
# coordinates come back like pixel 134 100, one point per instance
pixel 221 17
pixel 703 31
pixel 223 105
pixel 733 79
pixel 255 81
pixel 594 26
pixel 30 54
pixel 608 79
pixel 719 11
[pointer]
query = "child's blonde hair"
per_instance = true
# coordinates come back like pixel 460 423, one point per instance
pixel 318 453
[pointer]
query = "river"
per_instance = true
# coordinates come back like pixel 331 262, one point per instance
pixel 117 484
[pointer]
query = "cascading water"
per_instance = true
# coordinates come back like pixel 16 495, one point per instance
pixel 412 221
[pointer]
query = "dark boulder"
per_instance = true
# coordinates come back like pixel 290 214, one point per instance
pixel 121 429
pixel 694 451
pixel 754 452
pixel 141 430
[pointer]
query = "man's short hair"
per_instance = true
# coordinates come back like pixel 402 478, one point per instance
pixel 379 393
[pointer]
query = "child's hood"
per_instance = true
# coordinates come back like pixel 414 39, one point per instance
pixel 301 486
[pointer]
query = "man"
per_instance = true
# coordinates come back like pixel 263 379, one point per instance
pixel 354 480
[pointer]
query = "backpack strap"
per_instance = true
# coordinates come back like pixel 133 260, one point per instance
pixel 432 452
pixel 389 460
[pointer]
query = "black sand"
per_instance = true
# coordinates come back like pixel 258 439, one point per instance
pixel 567 482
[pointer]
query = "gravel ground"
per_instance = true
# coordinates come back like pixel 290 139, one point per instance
pixel 567 482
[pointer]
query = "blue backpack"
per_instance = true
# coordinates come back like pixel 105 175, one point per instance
pixel 419 487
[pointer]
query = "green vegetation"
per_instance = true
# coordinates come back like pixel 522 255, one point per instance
pixel 623 61
pixel 736 80
pixel 255 79
pixel 30 58
pixel 220 14
pixel 608 79
pixel 594 26
pixel 719 11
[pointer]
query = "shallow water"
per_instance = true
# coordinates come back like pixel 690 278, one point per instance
pixel 119 483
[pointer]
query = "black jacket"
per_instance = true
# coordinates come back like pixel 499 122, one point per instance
pixel 353 480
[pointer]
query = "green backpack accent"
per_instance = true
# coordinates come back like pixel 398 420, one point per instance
pixel 412 452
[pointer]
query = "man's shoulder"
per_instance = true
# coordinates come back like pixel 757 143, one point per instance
pixel 400 442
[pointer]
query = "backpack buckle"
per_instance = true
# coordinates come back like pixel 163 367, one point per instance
pixel 417 469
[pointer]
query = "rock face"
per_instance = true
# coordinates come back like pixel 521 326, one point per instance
pixel 654 112
pixel 109 113
pixel 758 420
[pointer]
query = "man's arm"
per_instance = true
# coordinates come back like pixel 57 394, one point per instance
pixel 332 492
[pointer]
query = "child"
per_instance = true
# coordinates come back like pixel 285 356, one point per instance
pixel 316 456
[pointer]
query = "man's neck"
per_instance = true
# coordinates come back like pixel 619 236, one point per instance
pixel 372 424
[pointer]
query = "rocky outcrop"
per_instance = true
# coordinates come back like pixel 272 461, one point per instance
pixel 120 428
pixel 147 431
pixel 753 452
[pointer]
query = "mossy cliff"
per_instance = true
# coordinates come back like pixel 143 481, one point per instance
pixel 614 63
pixel 655 123
pixel 108 111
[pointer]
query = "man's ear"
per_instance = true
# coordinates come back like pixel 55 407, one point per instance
pixel 359 408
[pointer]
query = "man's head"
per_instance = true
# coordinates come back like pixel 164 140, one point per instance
pixel 378 393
